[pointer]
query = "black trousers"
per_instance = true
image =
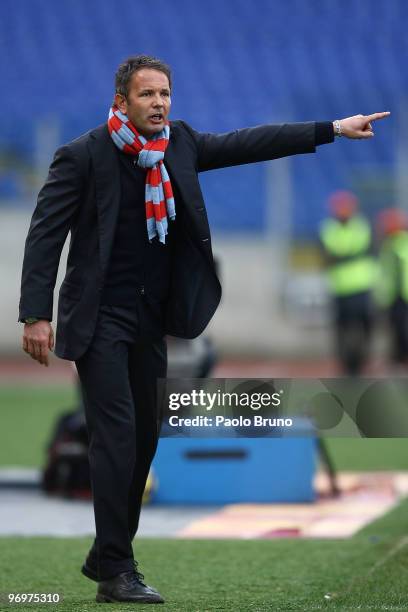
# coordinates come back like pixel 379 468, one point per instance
pixel 398 318
pixel 353 323
pixel 118 375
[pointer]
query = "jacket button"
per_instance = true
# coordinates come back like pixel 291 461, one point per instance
pixel 142 290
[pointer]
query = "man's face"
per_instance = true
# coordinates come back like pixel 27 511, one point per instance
pixel 148 102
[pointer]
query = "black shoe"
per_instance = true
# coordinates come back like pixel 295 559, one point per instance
pixel 90 571
pixel 127 587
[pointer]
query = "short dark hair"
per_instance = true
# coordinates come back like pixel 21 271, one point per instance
pixel 132 65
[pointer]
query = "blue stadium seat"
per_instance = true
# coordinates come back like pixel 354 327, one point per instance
pixel 236 63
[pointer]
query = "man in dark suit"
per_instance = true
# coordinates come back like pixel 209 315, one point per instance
pixel 139 266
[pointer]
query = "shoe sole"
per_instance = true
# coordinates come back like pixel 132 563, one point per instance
pixel 143 600
pixel 86 571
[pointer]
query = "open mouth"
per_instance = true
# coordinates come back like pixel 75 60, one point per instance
pixel 156 118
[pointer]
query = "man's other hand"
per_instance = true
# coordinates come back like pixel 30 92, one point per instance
pixel 360 126
pixel 38 338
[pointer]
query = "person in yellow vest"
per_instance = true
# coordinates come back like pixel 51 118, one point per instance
pixel 392 291
pixel 346 241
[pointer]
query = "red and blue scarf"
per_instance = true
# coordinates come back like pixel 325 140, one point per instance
pixel 159 193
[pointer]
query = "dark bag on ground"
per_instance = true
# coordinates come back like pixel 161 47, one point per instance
pixel 67 470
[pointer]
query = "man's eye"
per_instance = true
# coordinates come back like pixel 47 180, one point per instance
pixel 165 93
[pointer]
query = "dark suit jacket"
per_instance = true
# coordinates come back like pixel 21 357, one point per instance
pixel 82 194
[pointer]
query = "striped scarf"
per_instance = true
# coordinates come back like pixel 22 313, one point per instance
pixel 159 194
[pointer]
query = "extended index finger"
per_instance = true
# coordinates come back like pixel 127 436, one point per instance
pixel 376 116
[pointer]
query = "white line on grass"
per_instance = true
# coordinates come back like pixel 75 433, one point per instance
pixel 382 561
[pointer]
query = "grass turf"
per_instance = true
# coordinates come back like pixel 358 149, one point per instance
pixel 367 572
pixel 28 416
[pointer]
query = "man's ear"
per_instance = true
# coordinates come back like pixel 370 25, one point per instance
pixel 121 103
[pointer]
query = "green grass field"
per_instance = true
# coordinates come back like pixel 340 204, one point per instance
pixel 366 572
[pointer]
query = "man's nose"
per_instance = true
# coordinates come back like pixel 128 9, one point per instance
pixel 157 101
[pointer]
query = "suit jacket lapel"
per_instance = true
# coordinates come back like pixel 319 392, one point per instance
pixel 107 185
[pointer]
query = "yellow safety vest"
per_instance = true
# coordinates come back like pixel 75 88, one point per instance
pixel 356 270
pixel 393 280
